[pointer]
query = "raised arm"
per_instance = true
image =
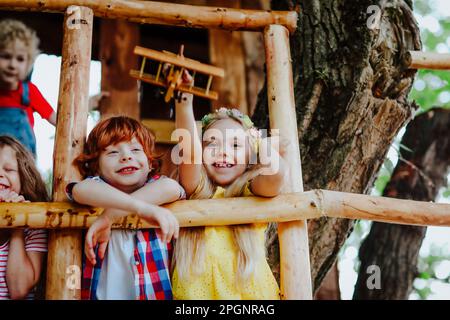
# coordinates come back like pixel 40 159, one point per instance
pixel 190 168
pixel 271 179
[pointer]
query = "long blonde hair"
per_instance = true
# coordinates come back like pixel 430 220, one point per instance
pixel 189 252
pixel 12 30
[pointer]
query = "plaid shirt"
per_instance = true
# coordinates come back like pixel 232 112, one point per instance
pixel 151 265
pixel 151 269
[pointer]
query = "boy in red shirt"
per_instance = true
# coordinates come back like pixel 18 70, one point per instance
pixel 19 98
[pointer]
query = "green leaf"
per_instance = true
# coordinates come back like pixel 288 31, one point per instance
pixel 424 275
pixel 424 293
pixel 381 183
pixel 446 193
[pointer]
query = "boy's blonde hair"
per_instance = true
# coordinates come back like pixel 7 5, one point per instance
pixel 189 251
pixel 11 30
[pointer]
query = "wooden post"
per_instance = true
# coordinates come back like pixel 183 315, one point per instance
pixel 117 41
pixel 64 256
pixel 295 270
pixel 427 60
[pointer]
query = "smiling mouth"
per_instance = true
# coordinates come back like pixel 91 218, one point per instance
pixel 3 186
pixel 127 170
pixel 9 74
pixel 222 165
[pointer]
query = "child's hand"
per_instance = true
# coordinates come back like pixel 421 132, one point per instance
pixel 164 218
pixel 98 233
pixel 11 196
pixel 94 101
pixel 186 79
pixel 271 152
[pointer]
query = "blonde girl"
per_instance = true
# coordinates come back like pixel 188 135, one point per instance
pixel 226 262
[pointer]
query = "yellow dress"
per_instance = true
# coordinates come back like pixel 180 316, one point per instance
pixel 218 280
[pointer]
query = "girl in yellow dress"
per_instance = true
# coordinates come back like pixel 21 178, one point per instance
pixel 226 262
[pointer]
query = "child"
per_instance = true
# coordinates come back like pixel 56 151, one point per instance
pixel 117 163
pixel 22 251
pixel 224 262
pixel 20 98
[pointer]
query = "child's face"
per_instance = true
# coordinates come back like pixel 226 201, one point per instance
pixel 9 170
pixel 225 151
pixel 13 64
pixel 124 165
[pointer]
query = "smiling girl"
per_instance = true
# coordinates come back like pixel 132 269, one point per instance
pixel 21 250
pixel 224 262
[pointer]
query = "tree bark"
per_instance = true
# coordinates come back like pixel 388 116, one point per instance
pixel 350 82
pixel 394 248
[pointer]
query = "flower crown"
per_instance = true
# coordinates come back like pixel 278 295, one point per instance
pixel 221 113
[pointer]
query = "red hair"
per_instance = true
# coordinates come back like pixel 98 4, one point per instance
pixel 109 132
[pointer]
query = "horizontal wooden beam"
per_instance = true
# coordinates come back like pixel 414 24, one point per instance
pixel 166 13
pixel 286 207
pixel 427 60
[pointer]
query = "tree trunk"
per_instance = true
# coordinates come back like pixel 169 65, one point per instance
pixel 329 289
pixel 394 248
pixel 351 93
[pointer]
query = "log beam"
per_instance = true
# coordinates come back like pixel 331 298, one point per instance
pixel 215 212
pixel 166 13
pixel 64 246
pixel 427 60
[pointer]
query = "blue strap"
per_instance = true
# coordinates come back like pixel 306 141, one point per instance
pixel 25 94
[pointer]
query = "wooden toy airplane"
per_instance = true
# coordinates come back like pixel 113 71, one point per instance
pixel 172 80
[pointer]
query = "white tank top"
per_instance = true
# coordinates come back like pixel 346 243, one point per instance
pixel 116 276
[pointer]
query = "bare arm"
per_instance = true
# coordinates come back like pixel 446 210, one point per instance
pixel 103 195
pixel 156 193
pixel 269 183
pixel 52 118
pixel 94 101
pixel 23 268
pixel 190 173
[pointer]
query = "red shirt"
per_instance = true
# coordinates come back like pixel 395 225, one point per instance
pixel 13 98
